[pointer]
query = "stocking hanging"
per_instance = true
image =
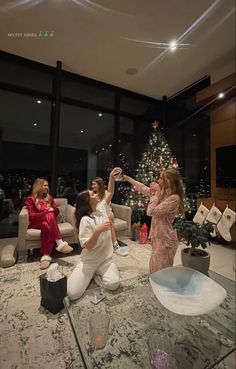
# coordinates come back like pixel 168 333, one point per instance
pixel 201 214
pixel 214 216
pixel 227 220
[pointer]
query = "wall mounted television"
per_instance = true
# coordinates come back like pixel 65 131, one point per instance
pixel 225 166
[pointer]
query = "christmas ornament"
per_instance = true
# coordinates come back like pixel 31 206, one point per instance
pixel 174 163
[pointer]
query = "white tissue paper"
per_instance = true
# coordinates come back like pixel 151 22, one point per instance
pixel 53 274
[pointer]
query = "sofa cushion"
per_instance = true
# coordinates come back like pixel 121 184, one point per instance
pixel 120 225
pixel 33 234
pixel 66 229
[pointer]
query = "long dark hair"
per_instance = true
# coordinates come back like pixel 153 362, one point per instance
pixel 82 206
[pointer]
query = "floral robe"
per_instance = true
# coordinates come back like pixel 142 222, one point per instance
pixel 163 237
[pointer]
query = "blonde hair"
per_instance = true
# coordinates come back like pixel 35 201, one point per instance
pixel 101 187
pixel 37 188
pixel 174 186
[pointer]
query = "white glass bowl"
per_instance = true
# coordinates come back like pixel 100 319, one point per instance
pixel 186 291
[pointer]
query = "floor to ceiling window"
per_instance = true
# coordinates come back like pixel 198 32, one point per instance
pixel 24 152
pixel 188 132
pixel 99 126
pixel 85 148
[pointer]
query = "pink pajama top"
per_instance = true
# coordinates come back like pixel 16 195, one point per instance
pixel 163 214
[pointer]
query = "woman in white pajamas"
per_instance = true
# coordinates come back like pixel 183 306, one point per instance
pixel 95 239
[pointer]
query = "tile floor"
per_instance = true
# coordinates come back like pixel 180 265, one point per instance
pixel 222 259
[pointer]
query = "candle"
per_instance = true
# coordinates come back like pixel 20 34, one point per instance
pixel 99 341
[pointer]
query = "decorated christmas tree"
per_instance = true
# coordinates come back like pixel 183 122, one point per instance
pixel 156 157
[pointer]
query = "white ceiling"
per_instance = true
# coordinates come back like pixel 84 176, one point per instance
pixel 97 39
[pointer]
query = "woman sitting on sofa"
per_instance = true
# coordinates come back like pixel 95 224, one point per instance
pixel 42 215
pixel 98 187
pixel 96 242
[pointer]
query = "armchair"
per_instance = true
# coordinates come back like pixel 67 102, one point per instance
pixel 29 238
pixel 122 220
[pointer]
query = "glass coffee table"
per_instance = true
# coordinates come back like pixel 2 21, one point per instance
pixel 199 342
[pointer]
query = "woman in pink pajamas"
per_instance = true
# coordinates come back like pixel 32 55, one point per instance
pixel 166 202
pixel 42 215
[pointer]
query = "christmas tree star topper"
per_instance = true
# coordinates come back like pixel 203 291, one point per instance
pixel 155 124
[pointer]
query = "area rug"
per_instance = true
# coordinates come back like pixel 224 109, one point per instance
pixel 33 338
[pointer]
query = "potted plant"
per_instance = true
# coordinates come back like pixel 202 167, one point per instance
pixel 194 235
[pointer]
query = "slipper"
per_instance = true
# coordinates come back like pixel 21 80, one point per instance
pixel 45 261
pixel 64 248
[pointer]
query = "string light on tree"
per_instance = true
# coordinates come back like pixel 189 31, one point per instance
pixel 156 157
pixel 123 187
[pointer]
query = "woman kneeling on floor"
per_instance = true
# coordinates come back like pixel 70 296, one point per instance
pixel 42 215
pixel 96 242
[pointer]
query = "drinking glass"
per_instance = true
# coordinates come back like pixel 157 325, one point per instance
pixel 99 330
pixel 160 352
pixel 119 177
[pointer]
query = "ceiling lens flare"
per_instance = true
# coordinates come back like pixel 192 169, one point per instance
pixel 173 45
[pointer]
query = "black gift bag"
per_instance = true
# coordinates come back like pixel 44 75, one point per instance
pixel 53 293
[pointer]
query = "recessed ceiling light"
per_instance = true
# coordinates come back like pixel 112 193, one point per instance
pixel 110 145
pixel 100 114
pixel 39 101
pixel 103 149
pixel 221 95
pixel 132 71
pixel 81 131
pixel 173 45
pixel 35 124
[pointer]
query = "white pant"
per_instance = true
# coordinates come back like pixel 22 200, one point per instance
pixel 107 273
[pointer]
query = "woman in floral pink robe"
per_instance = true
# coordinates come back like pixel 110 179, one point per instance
pixel 166 202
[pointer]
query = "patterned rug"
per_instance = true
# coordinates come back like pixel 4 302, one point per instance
pixel 33 338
